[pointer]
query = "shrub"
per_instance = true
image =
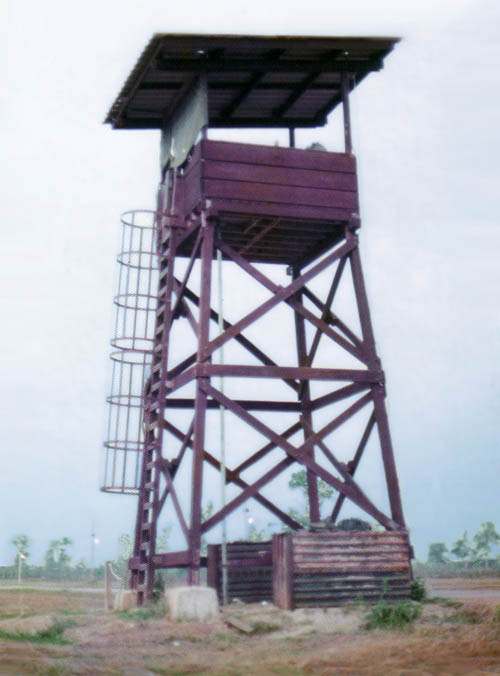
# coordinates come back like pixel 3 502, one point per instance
pixel 417 590
pixel 392 616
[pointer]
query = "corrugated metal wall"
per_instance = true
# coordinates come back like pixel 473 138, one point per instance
pixel 249 571
pixel 331 569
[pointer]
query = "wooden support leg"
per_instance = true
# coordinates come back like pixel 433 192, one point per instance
pixel 377 390
pixel 305 400
pixel 207 248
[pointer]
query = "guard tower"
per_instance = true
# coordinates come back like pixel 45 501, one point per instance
pixel 239 206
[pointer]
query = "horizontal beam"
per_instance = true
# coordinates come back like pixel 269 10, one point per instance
pixel 247 404
pixel 299 372
pixel 155 121
pixel 234 65
pixel 232 85
pixel 175 560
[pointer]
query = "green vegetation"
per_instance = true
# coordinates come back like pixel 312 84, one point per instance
pixel 52 634
pixel 152 612
pixel 417 590
pixel 392 616
pixel 477 550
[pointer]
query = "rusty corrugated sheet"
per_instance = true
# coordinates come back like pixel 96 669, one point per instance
pixel 331 569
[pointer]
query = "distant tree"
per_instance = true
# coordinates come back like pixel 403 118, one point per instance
pixel 437 553
pixel 299 480
pixel 22 543
pixel 57 559
pixel 124 547
pixel 206 513
pixel 162 539
pixel 255 535
pixel 461 548
pixel 485 537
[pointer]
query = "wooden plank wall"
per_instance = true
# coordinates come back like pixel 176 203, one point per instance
pixel 250 571
pixel 331 569
pixel 270 180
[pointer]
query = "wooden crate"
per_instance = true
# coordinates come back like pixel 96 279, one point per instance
pixel 331 569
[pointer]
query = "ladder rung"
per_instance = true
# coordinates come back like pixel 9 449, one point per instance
pixel 149 485
pixel 160 310
pixel 148 505
pixel 145 545
pixel 146 526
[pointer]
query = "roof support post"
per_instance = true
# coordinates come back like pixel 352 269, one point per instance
pixel 346 77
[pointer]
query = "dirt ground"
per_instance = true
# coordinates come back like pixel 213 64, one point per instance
pixel 451 638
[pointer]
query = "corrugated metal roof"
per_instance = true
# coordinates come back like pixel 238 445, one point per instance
pixel 253 81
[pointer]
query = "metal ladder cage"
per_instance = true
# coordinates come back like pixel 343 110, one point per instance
pixel 136 303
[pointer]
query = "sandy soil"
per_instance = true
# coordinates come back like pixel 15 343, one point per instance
pixel 450 639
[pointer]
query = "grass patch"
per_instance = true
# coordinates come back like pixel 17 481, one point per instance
pixel 52 634
pixel 464 617
pixel 142 614
pixel 392 616
pixel 447 603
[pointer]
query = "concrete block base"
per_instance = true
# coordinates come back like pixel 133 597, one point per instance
pixel 125 600
pixel 198 604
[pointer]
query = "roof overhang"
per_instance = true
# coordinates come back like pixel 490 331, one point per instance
pixel 252 81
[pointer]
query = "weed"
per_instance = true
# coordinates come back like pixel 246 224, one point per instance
pixel 264 627
pixel 496 615
pixel 392 616
pixel 52 634
pixel 417 590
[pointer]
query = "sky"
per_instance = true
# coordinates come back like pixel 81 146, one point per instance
pixel 426 139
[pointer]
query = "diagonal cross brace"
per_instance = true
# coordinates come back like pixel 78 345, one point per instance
pixel 282 294
pixel 300 454
pixel 232 476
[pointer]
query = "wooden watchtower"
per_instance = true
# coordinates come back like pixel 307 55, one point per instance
pixel 247 205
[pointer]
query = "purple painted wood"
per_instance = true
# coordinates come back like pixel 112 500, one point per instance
pixel 353 464
pixel 258 455
pixel 281 372
pixel 378 391
pixel 299 454
pixel 282 294
pixel 247 404
pixel 305 400
pixel 232 476
pixel 275 156
pixel 200 405
pixel 261 173
pixel 239 338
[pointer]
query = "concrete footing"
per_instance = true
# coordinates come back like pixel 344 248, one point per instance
pixel 192 603
pixel 125 600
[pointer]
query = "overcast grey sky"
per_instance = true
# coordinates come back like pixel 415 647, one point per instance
pixel 426 136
